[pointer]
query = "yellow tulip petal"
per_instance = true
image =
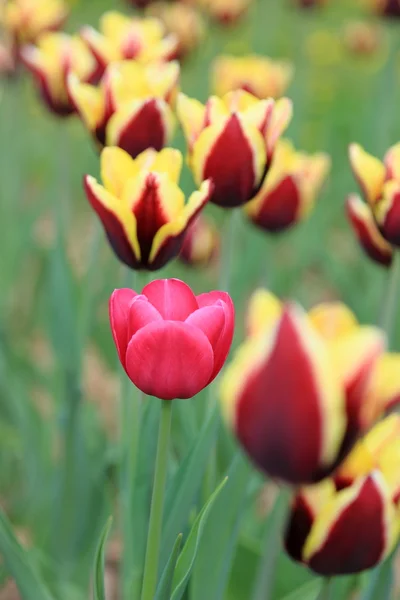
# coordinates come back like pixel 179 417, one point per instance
pixel 263 312
pixel 369 171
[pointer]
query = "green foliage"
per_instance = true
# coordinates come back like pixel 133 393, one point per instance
pixel 98 579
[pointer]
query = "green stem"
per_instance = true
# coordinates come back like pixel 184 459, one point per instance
pixel 326 589
pixel 265 577
pixel 228 245
pixel 150 576
pixel 390 307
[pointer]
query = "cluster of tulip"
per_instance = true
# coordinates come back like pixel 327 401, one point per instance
pixel 304 393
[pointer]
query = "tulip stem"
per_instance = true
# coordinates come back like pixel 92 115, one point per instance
pixel 389 313
pixel 228 241
pixel 326 589
pixel 264 584
pixel 157 504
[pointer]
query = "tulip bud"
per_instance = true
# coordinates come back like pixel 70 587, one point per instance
pixel 389 8
pixel 380 185
pixel 201 244
pixel 362 38
pixel 121 37
pixel 141 206
pixel 184 22
pixel 231 140
pixel 51 61
pixel 226 12
pixel 301 373
pixel 168 316
pixel 289 190
pixel 345 532
pixel 131 108
pixel 258 75
pixel 25 21
pixel 366 230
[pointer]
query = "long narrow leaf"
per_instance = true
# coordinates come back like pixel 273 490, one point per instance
pixel 19 564
pixel 98 580
pixel 165 586
pixel 187 558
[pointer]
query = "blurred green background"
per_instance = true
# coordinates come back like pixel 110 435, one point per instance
pixel 58 368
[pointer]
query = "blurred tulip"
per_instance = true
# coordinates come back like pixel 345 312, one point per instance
pixel 50 62
pixel 131 106
pixel 318 377
pixel 183 21
pixel 8 62
pixel 370 238
pixel 362 38
pixel 310 3
pixel 226 11
pixel 389 8
pixel 171 343
pixel 231 140
pixel 25 20
pixel 258 75
pixel 121 37
pixel 201 244
pixel 347 531
pixel 289 190
pixel 380 185
pixel 141 206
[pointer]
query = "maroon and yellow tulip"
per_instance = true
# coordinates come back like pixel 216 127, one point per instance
pixel 121 37
pixel 258 75
pixel 131 108
pixel 201 244
pixel 182 21
pixel 314 375
pixel 226 11
pixel 351 524
pixel 289 190
pixel 141 206
pixel 366 230
pixel 51 61
pixel 380 185
pixel 389 8
pixel 231 140
pixel 25 21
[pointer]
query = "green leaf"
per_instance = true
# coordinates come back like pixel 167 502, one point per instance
pixel 217 547
pixel 164 588
pixel 98 583
pixel 186 483
pixel 187 558
pixel 309 591
pixel 19 564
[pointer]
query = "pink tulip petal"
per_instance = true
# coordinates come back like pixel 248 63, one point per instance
pixel 119 304
pixel 141 313
pixel 222 347
pixel 170 360
pixel 173 299
pixel 211 320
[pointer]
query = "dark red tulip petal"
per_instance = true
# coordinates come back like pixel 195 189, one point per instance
pixel 357 539
pixel 170 359
pixel 279 418
pixel 222 347
pixel 141 313
pixel 281 207
pixel 172 298
pixel 299 526
pixel 230 165
pixel 119 306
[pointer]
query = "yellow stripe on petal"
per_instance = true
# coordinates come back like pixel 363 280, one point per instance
pixel 117 167
pixel 100 45
pixel 121 210
pixel 369 171
pixel 167 194
pixel 168 160
pixel 191 114
pixel 281 117
pixel 392 162
pixel 333 319
pixel 114 25
pixel 384 391
pixel 180 222
pixel 263 312
pixel 89 101
pixel 391 189
pixel 316 496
